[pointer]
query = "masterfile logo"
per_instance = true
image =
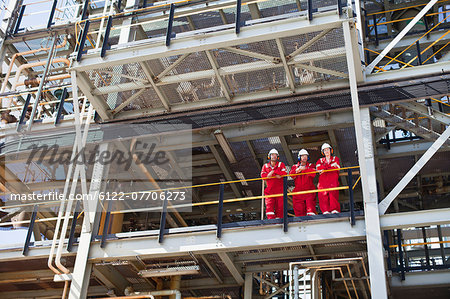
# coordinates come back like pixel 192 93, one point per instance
pixel 129 167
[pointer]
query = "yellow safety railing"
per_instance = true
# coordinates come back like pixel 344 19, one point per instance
pixel 402 8
pixel 426 49
pixel 208 202
pixel 403 51
pixel 407 19
pixel 420 244
pixel 443 103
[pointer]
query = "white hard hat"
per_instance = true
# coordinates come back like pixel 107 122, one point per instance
pixel 324 146
pixel 303 152
pixel 273 151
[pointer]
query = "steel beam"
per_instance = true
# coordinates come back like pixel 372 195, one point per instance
pixel 288 71
pixel 423 110
pixel 152 49
pixel 99 104
pixel 399 36
pixel 128 101
pixel 332 231
pixel 312 123
pixel 432 69
pixel 363 132
pixel 214 66
pixel 308 44
pixel 408 125
pixel 212 267
pixel 228 174
pixel 161 96
pixel 235 271
pixel 406 149
pixel 51 293
pixel 287 151
pixel 384 204
pixel 207 283
pixel 171 67
pixel 248 286
pixel 111 278
pixel 230 70
pixel 82 269
pixel 256 55
pixel 415 219
pixel 232 239
pixel 422 279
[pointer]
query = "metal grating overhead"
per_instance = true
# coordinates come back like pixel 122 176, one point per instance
pixel 298 105
pixel 347 146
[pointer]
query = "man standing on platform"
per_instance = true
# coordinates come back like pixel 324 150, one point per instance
pixel 328 200
pixel 273 171
pixel 304 173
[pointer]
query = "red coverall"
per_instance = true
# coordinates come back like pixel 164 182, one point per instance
pixel 304 203
pixel 328 200
pixel 274 205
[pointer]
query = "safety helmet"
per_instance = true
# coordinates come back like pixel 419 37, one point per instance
pixel 324 146
pixel 302 152
pixel 273 151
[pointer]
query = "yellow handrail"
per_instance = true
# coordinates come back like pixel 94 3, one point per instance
pixel 420 244
pixel 215 184
pixel 353 188
pixel 440 102
pixel 406 19
pixel 414 42
pixel 402 8
pixel 426 49
pixel 436 52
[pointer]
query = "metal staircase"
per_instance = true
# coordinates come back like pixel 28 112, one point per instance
pixel 415 117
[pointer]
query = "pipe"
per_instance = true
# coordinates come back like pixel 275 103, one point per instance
pixel 8 73
pixel 175 283
pixel 296 284
pixel 30 65
pixel 139 295
pixel 66 287
pixel 37 80
pixel 48 64
pixel 77 173
pixel 132 297
pixel 66 187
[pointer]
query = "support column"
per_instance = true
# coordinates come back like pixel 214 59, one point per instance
pixel 82 269
pixel 248 286
pixel 8 20
pixel 126 35
pixel 368 179
pixel 175 284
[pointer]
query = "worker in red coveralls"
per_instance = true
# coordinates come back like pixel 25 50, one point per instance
pixel 274 170
pixel 304 204
pixel 328 200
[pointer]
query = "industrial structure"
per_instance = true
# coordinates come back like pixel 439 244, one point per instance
pixel 217 84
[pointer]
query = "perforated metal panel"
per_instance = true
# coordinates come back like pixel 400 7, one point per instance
pixel 347 146
pixel 116 74
pixel 298 105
